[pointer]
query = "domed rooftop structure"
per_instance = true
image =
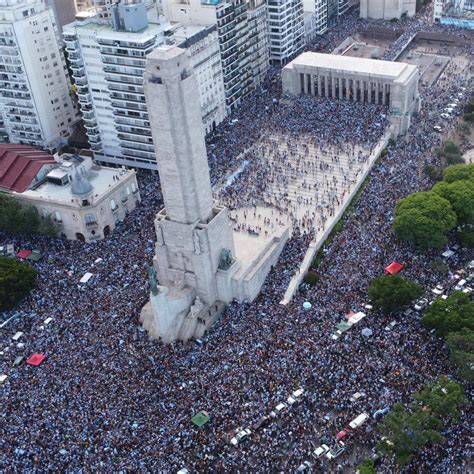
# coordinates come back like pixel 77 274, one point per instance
pixel 80 185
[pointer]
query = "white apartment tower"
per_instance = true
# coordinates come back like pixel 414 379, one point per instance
pixel 108 62
pixel 35 101
pixel 241 29
pixel 286 29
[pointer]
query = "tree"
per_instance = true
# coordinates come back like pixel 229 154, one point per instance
pixel 450 315
pixel 406 431
pixel 461 347
pixel 460 194
pixel 466 236
pixel 424 219
pixel 18 218
pixel 443 397
pixel 451 153
pixel 458 173
pixel 367 467
pixel 392 293
pixel 16 281
pixel 311 278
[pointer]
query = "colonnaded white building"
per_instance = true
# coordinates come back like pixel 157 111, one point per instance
pixel 359 79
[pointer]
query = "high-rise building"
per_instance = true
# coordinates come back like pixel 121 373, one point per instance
pixel 107 58
pixel 322 14
pixel 258 39
pixel 35 101
pixel 241 31
pixel 387 9
pixel 286 29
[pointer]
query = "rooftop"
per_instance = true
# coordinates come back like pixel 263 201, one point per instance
pixel 386 69
pixel 19 165
pixel 101 179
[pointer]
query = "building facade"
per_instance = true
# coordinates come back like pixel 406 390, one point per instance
pixel 35 101
pixel 241 31
pixel 286 29
pixel 459 13
pixel 387 9
pixel 85 200
pixel 358 79
pixel 108 63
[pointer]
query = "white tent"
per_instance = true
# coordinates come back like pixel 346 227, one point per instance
pixel 367 332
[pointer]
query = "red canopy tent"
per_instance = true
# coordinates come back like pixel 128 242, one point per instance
pixel 394 268
pixel 23 254
pixel 36 359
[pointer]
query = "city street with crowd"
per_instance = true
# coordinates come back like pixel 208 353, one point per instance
pixel 109 399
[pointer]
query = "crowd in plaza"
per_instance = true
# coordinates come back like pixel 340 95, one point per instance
pixel 109 399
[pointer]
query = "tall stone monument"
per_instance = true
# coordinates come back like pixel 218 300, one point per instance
pixel 195 261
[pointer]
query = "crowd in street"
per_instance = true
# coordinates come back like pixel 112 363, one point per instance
pixel 109 399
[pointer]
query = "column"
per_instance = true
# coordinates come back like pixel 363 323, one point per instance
pixel 377 84
pixel 354 89
pixel 305 84
pixel 348 88
pixel 384 95
pixel 369 92
pixel 311 84
pixel 333 87
pixel 319 85
pixel 326 86
pixel 339 79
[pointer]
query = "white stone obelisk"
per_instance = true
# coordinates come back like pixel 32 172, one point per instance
pixel 191 233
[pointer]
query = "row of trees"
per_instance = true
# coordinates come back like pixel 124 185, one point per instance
pixel 406 430
pixel 453 319
pixel 425 218
pixel 18 218
pixel 17 279
pixel 469 110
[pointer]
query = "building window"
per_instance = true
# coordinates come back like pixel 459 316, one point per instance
pixel 57 216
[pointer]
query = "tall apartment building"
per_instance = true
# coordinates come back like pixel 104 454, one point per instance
pixel 322 14
pixel 240 28
pixel 387 9
pixel 108 62
pixel 286 29
pixel 35 102
pixel 258 39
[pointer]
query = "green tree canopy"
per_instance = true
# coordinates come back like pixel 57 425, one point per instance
pixel 16 281
pixel 443 397
pixel 460 194
pixel 392 293
pixel 405 431
pixel 424 219
pixel 367 467
pixel 18 218
pixel 461 347
pixel 450 315
pixel 458 173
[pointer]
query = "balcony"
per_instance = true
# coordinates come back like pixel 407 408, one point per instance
pixel 115 208
pixel 92 224
pixel 124 199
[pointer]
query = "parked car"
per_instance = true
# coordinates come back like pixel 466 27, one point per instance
pixel 437 128
pixel 241 434
pixel 262 421
pixel 438 290
pixel 445 116
pixel 421 304
pixel 336 450
pixel 306 466
pixel 295 397
pixel 280 408
pixel 460 285
pixel 321 451
pixel 467 290
pixel 449 110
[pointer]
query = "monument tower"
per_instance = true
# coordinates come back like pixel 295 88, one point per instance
pixel 195 261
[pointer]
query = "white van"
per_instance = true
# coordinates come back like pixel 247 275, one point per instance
pixel 460 284
pixel 359 421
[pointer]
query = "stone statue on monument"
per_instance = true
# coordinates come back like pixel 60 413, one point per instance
pixel 226 260
pixel 153 280
pixel 196 242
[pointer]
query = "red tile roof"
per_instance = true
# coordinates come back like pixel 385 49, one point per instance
pixel 19 164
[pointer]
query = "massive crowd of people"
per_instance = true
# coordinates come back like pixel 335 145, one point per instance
pixel 107 398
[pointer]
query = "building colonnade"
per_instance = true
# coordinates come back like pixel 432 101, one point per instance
pixel 337 87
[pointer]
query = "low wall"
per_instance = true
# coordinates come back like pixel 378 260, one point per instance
pixel 314 246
